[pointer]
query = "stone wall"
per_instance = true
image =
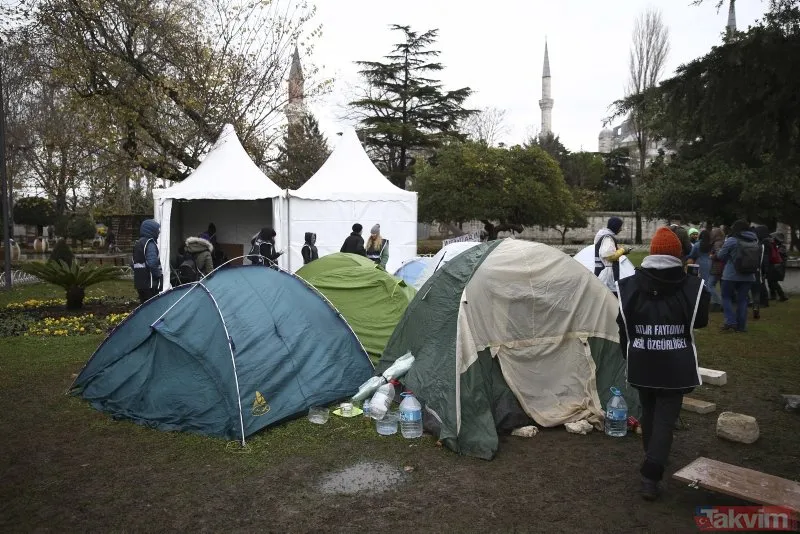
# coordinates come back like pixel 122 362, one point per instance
pixel 596 220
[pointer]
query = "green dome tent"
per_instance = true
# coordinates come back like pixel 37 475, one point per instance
pixel 371 300
pixel 506 332
pixel 245 348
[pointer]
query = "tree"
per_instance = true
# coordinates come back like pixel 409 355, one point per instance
pixel 302 153
pixel 156 81
pixel 737 106
pixel 487 126
pixel 551 144
pixel 403 110
pixel 648 55
pixel 584 170
pixel 507 189
pixel 35 211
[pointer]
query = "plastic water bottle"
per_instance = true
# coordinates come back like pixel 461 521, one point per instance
pixel 410 416
pixel 365 407
pixel 616 415
pixel 381 401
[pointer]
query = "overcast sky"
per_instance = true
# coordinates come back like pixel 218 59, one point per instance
pixel 497 49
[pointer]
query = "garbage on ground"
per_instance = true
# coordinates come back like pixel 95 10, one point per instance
pixel 525 431
pixel 382 400
pixel 616 424
pixel 395 371
pixel 792 401
pixel 387 425
pixel 579 427
pixel 354 411
pixel 318 415
pixel 410 416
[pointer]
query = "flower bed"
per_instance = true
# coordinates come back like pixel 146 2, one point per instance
pixel 51 318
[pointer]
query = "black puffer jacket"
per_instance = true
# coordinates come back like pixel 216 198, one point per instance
pixel 659 307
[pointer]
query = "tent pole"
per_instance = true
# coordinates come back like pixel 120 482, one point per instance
pixel 288 233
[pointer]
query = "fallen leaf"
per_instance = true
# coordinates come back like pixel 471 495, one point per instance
pixel 408 469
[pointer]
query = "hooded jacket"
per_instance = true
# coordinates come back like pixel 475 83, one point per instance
pixel 201 250
pixel 728 254
pixel 146 261
pixel 660 306
pixel 309 250
pixel 354 244
pixel 263 249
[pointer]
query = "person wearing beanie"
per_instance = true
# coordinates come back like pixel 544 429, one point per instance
pixel 659 307
pixel 742 256
pixel 607 253
pixel 354 243
pixel 377 248
pixel 694 235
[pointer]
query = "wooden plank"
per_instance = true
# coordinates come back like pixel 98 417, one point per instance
pixel 742 483
pixel 716 378
pixel 697 405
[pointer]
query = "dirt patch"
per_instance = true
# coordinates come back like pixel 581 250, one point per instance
pixel 67 467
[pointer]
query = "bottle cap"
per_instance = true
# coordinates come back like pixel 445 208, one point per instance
pixel 615 391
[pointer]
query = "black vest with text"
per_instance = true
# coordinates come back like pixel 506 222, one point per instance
pixel 142 277
pixel 660 350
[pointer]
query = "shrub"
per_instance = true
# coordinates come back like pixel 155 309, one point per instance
pixel 35 211
pixel 73 278
pixel 81 227
pixel 62 252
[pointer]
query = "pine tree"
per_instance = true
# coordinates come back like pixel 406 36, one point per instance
pixel 302 153
pixel 403 109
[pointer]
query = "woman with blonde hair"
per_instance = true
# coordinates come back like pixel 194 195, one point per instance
pixel 377 247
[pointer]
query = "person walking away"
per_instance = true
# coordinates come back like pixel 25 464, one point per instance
pixel 377 248
pixel 201 251
pixel 147 275
pixel 760 293
pixel 660 306
pixel 354 243
pixel 309 250
pixel 262 251
pixel 717 238
pixel 607 253
pixel 777 269
pixel 700 256
pixel 742 257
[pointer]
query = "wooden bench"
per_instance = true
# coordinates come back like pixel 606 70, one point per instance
pixel 742 483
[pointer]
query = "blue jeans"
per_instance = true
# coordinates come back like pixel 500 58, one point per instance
pixel 711 285
pixel 735 291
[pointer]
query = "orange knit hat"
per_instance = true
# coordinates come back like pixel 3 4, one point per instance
pixel 666 243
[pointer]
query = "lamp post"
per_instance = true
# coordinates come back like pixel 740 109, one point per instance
pixel 5 190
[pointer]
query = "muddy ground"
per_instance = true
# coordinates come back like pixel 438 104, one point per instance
pixel 66 467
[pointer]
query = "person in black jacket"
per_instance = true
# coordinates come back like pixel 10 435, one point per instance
pixel 777 271
pixel 309 250
pixel 354 243
pixel 263 250
pixel 659 306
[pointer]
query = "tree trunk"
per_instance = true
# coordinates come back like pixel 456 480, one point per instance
pixel 75 296
pixel 638 239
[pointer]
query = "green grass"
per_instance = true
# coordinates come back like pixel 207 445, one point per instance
pixel 636 256
pixel 42 291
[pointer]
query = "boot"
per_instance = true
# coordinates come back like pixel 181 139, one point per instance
pixel 649 489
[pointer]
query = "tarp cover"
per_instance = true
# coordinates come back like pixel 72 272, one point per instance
pixel 370 299
pixel 288 350
pixel 549 324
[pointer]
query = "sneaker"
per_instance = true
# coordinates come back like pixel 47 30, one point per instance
pixel 727 328
pixel 649 489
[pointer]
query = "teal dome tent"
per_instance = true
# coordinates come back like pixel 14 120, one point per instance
pixel 246 348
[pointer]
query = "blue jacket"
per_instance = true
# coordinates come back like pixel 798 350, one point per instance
pixel 728 253
pixel 150 230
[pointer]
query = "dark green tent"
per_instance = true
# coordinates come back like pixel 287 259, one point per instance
pixel 506 332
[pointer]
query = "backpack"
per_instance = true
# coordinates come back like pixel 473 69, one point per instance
pixel 254 255
pixel 775 255
pixel 187 270
pixel 748 257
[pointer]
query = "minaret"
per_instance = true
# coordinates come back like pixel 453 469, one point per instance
pixel 730 29
pixel 295 109
pixel 546 103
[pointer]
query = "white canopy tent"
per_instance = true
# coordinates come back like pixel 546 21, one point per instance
pixel 349 189
pixel 228 189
